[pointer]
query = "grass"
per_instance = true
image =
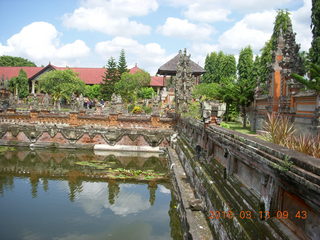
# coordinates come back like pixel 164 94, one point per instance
pixel 4 149
pixel 237 126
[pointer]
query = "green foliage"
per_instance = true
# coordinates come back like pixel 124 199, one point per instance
pixel 110 78
pixel 20 84
pixel 315 27
pixel 207 90
pixel 61 84
pixel 137 110
pixel 193 111
pixel 244 88
pixel 122 63
pixel 130 84
pixel 10 61
pixel 314 82
pixel 146 93
pixel 147 109
pixel 225 125
pixel 282 23
pixel 218 66
pixel 279 129
pixel 93 91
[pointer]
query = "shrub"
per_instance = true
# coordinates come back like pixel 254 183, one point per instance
pixel 279 129
pixel 147 109
pixel 137 110
pixel 224 125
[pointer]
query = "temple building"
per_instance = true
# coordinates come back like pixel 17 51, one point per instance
pixel 282 94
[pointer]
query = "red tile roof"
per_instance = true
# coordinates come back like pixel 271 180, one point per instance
pixel 134 69
pixel 9 72
pixel 88 75
pixel 157 81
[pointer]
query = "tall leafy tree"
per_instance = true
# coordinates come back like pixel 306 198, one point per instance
pixel 111 77
pixel 244 88
pixel 315 27
pixel 61 84
pixel 9 61
pixel 122 63
pixel 219 66
pixel 20 84
pixel 130 85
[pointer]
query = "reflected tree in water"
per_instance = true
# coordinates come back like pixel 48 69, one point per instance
pixel 45 184
pixel 152 186
pixel 75 184
pixel 6 183
pixel 113 190
pixel 34 181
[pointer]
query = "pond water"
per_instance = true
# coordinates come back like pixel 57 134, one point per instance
pixel 69 195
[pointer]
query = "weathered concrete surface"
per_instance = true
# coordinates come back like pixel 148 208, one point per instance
pixel 194 222
pixel 233 172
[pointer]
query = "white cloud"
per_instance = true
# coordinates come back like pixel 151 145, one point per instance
pixel 247 32
pixel 301 21
pixel 40 42
pixel 256 28
pixel 148 56
pixel 111 16
pixel 238 5
pixel 206 12
pixel 176 27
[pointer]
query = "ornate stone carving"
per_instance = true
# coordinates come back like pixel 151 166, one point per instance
pixel 183 81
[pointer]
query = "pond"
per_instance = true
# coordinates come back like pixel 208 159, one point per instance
pixel 74 194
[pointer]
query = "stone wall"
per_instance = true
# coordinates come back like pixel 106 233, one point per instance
pixel 251 178
pixel 44 135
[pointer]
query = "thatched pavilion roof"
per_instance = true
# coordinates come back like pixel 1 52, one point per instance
pixel 170 67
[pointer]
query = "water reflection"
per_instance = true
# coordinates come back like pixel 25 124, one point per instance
pixel 47 196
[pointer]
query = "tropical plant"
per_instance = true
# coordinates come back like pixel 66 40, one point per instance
pixel 244 87
pixel 93 91
pixel 61 84
pixel 279 129
pixel 314 82
pixel 315 27
pixel 130 84
pixel 20 84
pixel 146 93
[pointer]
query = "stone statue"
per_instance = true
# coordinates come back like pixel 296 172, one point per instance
pixel 46 101
pixel 183 83
pixel 206 111
pixel 73 102
pixel 81 102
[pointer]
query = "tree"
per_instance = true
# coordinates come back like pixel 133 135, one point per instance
pixel 315 27
pixel 219 66
pixel 61 84
pixel 111 77
pixel 9 61
pixel 314 83
pixel 122 63
pixel 146 93
pixel 93 91
pixel 130 84
pixel 244 88
pixel 20 84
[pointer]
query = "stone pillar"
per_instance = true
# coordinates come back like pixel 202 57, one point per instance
pixel 33 87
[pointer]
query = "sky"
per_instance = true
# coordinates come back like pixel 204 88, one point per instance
pixel 86 33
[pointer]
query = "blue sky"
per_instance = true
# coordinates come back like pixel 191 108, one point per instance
pixel 85 33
